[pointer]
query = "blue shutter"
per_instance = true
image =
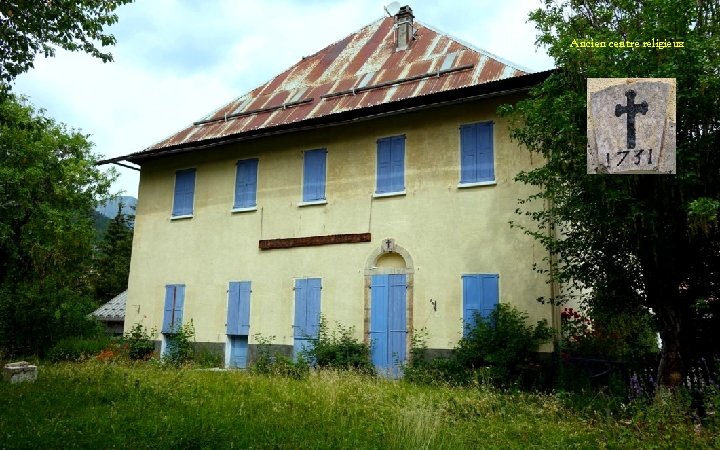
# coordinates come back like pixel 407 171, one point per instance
pixel 397 164
pixel 174 302
pixel 314 175
pixel 476 153
pixel 379 320
pixel 300 309
pixel 490 294
pixel 468 154
pixel 384 155
pixel 184 192
pixel 486 166
pixel 391 164
pixel 480 296
pixel 246 183
pixel 313 307
pixel 397 324
pixel 238 316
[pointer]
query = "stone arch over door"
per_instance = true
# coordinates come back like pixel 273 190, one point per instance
pixel 388 259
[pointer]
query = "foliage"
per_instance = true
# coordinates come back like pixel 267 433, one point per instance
pixel 78 349
pixel 112 261
pixel 628 243
pixel 207 359
pixel 48 188
pixel 30 27
pixel 497 350
pixel 338 349
pixel 179 348
pixel 95 405
pixel 269 362
pixel 619 337
pixel 140 345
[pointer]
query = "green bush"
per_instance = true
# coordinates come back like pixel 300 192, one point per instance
pixel 272 363
pixel 337 349
pixel 78 349
pixel 499 350
pixel 179 346
pixel 140 345
pixel 207 358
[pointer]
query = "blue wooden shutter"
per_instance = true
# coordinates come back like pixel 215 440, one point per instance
pixel 486 165
pixel 391 164
pixel 238 316
pixel 480 295
pixel 174 302
pixel 379 320
pixel 314 175
pixel 246 183
pixel 397 324
pixel 313 307
pixel 476 153
pixel 490 294
pixel 468 154
pixel 184 192
pixel 300 309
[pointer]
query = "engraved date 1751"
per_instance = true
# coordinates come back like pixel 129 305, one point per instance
pixel 636 156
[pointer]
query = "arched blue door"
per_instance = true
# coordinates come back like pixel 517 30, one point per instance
pixel 388 323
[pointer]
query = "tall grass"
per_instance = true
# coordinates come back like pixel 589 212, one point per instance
pixel 95 405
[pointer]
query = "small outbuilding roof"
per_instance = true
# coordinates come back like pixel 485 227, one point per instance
pixel 112 311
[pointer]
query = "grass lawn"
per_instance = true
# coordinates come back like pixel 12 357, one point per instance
pixel 97 405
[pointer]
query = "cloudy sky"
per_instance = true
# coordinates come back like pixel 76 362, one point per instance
pixel 177 60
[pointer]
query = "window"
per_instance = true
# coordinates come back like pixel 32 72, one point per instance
pixel 476 153
pixel 238 313
pixel 390 165
pixel 246 184
pixel 314 176
pixel 174 301
pixel 184 193
pixel 480 296
pixel 307 313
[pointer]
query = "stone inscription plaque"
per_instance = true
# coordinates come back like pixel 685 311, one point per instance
pixel 631 126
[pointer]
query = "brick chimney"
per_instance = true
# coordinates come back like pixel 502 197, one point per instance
pixel 403 28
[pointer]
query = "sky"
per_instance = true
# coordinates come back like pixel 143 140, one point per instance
pixel 177 60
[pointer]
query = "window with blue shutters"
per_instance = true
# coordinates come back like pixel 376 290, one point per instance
pixel 246 184
pixel 238 313
pixel 174 302
pixel 480 296
pixel 306 325
pixel 390 165
pixel 314 171
pixel 476 153
pixel 184 193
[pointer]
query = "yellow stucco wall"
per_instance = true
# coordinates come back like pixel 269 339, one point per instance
pixel 446 230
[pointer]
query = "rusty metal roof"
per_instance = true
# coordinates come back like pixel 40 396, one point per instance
pixel 361 71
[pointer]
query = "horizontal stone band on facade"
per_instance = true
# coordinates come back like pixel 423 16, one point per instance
pixel 309 241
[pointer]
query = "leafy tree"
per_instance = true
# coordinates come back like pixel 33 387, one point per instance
pixel 632 243
pixel 48 189
pixel 112 263
pixel 30 27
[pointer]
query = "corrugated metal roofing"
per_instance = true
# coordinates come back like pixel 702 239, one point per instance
pixel 112 311
pixel 360 71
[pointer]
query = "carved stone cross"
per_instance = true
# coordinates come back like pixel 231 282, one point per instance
pixel 631 109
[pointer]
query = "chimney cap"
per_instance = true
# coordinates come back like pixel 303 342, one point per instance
pixel 404 11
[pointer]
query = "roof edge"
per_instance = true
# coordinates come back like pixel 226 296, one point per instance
pixel 505 86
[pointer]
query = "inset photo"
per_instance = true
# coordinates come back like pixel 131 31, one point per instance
pixel 631 125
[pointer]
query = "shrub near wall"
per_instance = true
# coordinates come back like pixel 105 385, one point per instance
pixel 499 350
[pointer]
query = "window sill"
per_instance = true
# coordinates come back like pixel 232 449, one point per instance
pixel 477 183
pixel 185 216
pixel 242 210
pixel 389 194
pixel 312 203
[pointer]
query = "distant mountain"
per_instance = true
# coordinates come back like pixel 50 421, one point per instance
pixel 110 209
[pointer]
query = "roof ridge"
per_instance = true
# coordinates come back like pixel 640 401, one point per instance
pixel 476 49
